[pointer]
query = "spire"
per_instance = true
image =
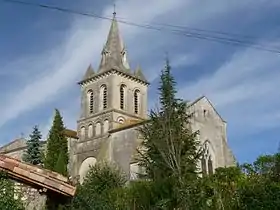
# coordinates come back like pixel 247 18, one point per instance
pixel 89 73
pixel 114 53
pixel 139 73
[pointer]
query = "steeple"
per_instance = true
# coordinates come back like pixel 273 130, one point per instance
pixel 114 53
pixel 139 74
pixel 89 73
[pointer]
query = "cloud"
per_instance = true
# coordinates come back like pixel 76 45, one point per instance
pixel 50 74
pixel 244 89
pixel 69 115
pixel 66 62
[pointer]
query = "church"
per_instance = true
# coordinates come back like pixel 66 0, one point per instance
pixel 113 105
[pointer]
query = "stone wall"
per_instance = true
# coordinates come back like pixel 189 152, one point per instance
pixel 31 197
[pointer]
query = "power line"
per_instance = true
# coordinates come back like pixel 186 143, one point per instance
pixel 200 30
pixel 223 40
pixel 178 31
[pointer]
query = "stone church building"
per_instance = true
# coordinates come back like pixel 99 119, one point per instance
pixel 114 105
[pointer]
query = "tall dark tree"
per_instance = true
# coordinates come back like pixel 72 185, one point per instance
pixel 57 149
pixel 33 154
pixel 170 148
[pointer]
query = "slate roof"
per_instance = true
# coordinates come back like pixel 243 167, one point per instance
pixel 112 58
pixel 89 73
pixel 139 74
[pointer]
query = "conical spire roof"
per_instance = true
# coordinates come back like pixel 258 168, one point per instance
pixel 89 73
pixel 113 53
pixel 139 74
pixel 114 57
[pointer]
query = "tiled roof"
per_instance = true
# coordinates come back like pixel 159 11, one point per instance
pixel 71 133
pixel 36 176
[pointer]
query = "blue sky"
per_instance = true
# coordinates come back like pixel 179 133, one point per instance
pixel 44 53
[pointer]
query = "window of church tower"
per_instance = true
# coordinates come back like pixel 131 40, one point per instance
pixel 98 129
pixel 83 132
pixel 122 96
pixel 90 100
pixel 136 101
pixel 103 97
pixel 90 130
pixel 105 126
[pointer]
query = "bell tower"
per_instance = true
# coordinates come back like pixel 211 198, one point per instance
pixel 114 94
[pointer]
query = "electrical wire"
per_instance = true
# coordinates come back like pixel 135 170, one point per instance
pixel 178 30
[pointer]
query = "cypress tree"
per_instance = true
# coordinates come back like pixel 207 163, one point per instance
pixel 57 148
pixel 170 152
pixel 33 154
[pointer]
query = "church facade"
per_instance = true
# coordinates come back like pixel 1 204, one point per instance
pixel 114 105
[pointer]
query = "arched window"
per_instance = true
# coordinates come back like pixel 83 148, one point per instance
pixel 83 132
pixel 105 126
pixel 90 130
pixel 90 101
pixel 98 129
pixel 207 160
pixel 122 96
pixel 203 166
pixel 103 97
pixel 210 166
pixel 136 101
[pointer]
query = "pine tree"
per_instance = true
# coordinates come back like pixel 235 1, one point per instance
pixel 171 152
pixel 57 148
pixel 33 153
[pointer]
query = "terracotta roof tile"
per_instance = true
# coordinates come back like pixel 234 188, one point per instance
pixel 37 176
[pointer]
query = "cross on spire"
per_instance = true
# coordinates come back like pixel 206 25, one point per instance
pixel 114 13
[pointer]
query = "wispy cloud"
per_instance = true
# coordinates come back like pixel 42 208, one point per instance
pixel 66 62
pixel 244 89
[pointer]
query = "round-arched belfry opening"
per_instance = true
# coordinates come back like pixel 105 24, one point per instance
pixel 85 166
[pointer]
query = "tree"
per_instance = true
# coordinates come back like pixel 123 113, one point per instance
pixel 171 149
pixel 60 166
pixel 57 149
pixel 33 153
pixel 100 189
pixel 7 200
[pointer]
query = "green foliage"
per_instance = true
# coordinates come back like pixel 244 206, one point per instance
pixel 259 193
pixel 60 166
pixel 170 146
pixel 7 200
pixel 33 153
pixel 57 149
pixel 99 188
